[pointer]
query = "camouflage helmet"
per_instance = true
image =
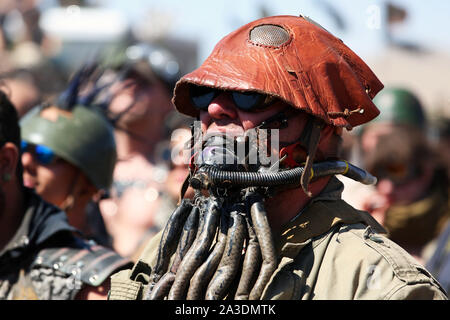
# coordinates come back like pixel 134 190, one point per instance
pixel 81 136
pixel 399 106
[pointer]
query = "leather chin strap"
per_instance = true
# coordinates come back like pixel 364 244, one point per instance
pixel 313 143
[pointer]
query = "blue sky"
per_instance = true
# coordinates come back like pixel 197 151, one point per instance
pixel 205 22
pixel 208 21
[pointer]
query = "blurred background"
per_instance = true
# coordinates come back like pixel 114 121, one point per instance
pixel 43 41
pixel 406 44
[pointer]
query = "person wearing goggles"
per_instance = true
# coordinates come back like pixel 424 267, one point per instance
pixel 47 173
pixel 58 148
pixel 411 196
pixel 44 155
pixel 273 229
pixel 244 101
pixel 69 153
pixel 42 256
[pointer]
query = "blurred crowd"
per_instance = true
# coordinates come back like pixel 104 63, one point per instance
pixel 100 144
pixel 115 200
pixel 411 197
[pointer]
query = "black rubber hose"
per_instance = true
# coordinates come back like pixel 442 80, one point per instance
pixel 266 243
pixel 197 252
pixel 169 239
pixel 231 258
pixel 204 273
pixel 162 287
pixel 209 176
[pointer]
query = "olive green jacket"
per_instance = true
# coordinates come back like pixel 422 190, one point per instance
pixel 330 251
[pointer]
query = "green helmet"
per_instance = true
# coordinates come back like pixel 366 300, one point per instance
pixel 399 106
pixel 81 136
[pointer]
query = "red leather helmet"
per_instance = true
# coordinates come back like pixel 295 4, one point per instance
pixel 295 60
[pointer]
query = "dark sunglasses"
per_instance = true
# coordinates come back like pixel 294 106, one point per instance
pixel 43 154
pixel 201 97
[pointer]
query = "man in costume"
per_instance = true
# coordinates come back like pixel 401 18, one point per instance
pixel 274 229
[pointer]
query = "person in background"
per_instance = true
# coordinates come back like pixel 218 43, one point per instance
pixel 439 262
pixel 176 153
pixel 354 193
pixel 69 154
pixel 411 196
pixel 140 101
pixel 22 90
pixel 274 229
pixel 442 127
pixel 41 255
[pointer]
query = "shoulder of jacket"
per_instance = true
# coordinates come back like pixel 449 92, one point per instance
pixel 92 264
pixel 404 266
pixel 129 284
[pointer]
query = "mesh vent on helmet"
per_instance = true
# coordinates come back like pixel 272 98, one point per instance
pixel 269 35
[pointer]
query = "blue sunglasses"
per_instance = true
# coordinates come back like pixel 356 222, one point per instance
pixel 201 97
pixel 43 154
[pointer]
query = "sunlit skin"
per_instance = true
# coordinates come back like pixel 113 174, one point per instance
pixel 23 93
pixel 372 133
pixel 61 184
pixel 52 181
pixel 223 116
pixel 128 217
pixel 408 192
